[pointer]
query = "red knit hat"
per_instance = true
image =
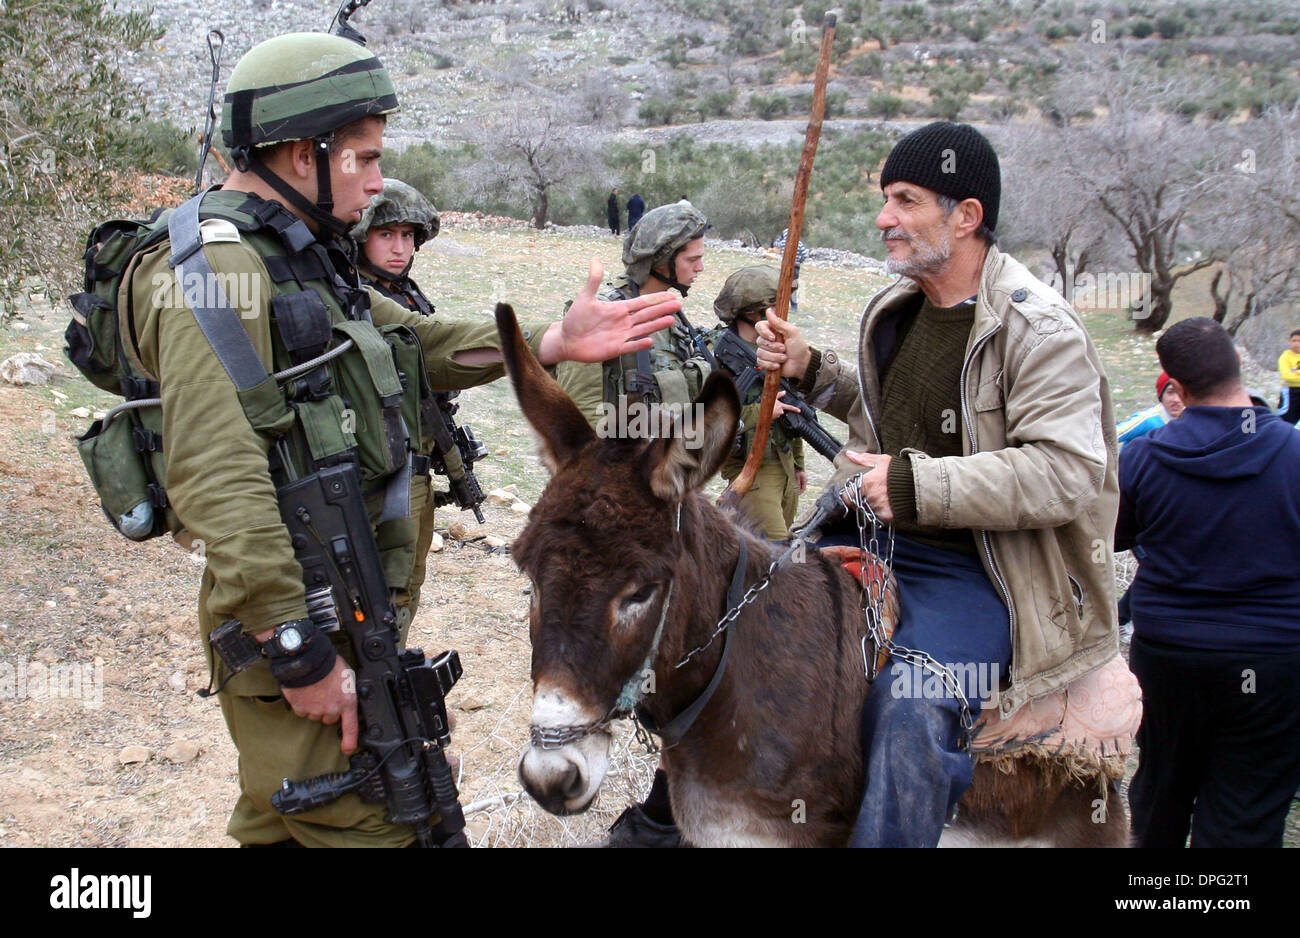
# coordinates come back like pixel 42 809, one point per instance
pixel 1161 383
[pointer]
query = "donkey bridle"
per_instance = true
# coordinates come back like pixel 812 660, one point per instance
pixel 629 699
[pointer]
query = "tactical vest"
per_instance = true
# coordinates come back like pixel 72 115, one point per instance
pixel 779 442
pixel 361 405
pixel 403 290
pixel 671 372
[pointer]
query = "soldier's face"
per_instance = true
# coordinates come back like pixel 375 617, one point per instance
pixel 690 262
pixel 390 248
pixel 915 230
pixel 354 170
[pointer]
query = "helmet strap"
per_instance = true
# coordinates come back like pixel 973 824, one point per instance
pixel 671 279
pixel 320 211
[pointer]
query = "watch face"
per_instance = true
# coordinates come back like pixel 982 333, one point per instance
pixel 290 639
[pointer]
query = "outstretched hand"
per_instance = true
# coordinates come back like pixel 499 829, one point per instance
pixel 595 330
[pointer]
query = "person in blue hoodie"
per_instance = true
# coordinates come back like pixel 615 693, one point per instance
pixel 1210 504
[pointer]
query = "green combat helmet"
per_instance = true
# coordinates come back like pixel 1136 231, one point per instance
pixel 748 291
pixel 657 238
pixel 399 204
pixel 301 86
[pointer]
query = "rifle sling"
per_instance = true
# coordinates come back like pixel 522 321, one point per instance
pixel 223 328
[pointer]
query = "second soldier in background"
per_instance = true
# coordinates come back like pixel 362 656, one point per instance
pixel 399 221
pixel 774 496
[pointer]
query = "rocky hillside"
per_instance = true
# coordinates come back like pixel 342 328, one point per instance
pixel 674 64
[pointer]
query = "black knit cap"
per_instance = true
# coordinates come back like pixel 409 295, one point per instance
pixel 955 160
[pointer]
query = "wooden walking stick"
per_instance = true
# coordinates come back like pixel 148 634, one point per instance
pixel 741 485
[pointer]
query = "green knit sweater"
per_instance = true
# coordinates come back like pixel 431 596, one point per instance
pixel 921 409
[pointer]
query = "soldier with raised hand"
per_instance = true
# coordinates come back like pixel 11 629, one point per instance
pixel 774 496
pixel 664 251
pixel 303 118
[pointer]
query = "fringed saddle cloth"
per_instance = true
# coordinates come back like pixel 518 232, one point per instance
pixel 1086 730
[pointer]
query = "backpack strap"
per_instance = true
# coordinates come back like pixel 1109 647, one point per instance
pixel 219 322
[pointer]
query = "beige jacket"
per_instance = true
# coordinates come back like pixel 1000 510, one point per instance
pixel 1037 478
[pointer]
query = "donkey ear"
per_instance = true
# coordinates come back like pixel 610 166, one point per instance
pixel 558 421
pixel 686 459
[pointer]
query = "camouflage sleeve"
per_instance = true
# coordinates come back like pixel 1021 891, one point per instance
pixel 443 338
pixel 217 477
pixel 749 417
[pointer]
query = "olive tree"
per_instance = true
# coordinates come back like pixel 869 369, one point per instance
pixel 530 153
pixel 66 113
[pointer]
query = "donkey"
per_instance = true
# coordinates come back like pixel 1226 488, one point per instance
pixel 630 569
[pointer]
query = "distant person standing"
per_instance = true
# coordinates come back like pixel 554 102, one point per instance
pixel 611 211
pixel 1288 367
pixel 635 209
pixel 1169 406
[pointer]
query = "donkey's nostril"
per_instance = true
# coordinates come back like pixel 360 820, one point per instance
pixel 573 784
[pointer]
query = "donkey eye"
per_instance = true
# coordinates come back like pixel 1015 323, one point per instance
pixel 640 596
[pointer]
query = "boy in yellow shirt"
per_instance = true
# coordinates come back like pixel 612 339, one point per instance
pixel 1288 366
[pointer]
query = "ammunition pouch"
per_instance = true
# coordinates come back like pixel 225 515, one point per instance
pixel 119 454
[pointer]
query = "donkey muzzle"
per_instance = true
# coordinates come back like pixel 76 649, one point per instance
pixel 564 779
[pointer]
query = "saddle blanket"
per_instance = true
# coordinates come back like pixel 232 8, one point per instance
pixel 1088 727
pixel 1085 730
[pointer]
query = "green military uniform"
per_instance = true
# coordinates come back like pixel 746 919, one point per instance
pixel 402 204
pixel 218 480
pixel 218 483
pixel 677 367
pixel 773 498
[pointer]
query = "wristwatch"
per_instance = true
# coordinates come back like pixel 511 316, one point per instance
pixel 289 638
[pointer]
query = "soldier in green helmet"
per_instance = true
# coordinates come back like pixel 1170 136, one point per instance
pixel 774 496
pixel 392 229
pixel 303 119
pixel 395 226
pixel 664 251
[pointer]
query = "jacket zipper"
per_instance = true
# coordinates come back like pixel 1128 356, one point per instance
pixel 1078 588
pixel 984 535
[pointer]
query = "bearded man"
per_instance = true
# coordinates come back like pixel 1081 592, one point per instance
pixel 982 430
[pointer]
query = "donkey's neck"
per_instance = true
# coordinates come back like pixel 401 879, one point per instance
pixel 710 549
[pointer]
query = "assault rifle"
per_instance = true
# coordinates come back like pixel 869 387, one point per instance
pixel 738 358
pixel 401 695
pixel 454 453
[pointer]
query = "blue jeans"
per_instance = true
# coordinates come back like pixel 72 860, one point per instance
pixel 915 770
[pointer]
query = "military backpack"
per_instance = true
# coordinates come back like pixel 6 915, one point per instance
pixel 344 389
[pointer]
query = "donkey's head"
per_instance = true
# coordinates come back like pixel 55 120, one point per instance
pixel 601 548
